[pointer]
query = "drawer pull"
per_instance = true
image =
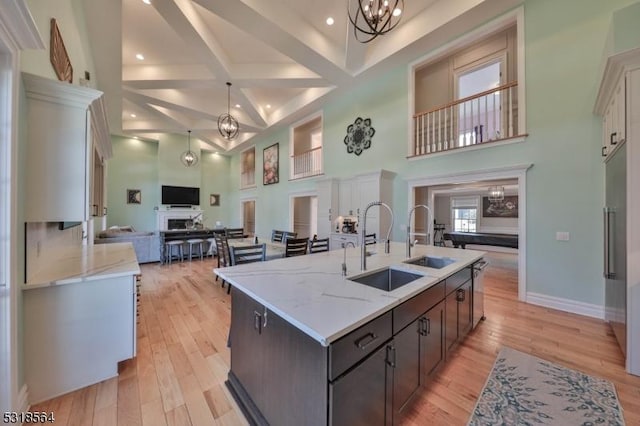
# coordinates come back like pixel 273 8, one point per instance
pixel 460 295
pixel 611 141
pixel 366 340
pixel 604 151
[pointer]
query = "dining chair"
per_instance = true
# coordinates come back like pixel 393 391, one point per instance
pixel 289 234
pixel 276 236
pixel 222 249
pixel 235 232
pixel 295 247
pixel 318 245
pixel 248 254
pixel 370 239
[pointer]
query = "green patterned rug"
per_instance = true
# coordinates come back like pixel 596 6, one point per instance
pixel 525 390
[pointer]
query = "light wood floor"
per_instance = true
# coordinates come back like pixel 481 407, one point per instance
pixel 178 375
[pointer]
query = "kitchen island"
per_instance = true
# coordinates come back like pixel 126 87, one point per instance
pixel 79 318
pixel 310 346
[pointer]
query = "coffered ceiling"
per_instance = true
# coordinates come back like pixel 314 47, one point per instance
pixel 281 57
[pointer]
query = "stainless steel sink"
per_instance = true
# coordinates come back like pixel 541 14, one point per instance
pixel 435 262
pixel 387 279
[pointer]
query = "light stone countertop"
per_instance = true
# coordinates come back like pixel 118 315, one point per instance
pixel 311 293
pixel 85 263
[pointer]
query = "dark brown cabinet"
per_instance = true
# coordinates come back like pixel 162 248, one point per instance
pixel 459 314
pixel 280 375
pixel 363 395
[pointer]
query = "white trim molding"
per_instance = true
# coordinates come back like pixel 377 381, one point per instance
pixel 566 305
pixel 23 399
pixel 518 171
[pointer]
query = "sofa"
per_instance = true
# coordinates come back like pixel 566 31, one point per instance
pixel 145 244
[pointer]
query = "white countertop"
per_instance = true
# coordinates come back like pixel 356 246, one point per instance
pixel 85 263
pixel 311 293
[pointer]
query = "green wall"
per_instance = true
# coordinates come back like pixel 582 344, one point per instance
pixel 564 41
pixel 147 165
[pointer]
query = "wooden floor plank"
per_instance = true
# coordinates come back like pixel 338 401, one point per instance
pixel 178 376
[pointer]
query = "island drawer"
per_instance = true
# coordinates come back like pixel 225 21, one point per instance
pixel 348 350
pixel 457 279
pixel 406 313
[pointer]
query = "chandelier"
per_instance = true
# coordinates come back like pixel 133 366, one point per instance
pixel 496 193
pixel 374 18
pixel 227 124
pixel 189 158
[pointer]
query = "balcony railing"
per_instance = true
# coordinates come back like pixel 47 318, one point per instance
pixel 489 116
pixel 305 164
pixel 247 179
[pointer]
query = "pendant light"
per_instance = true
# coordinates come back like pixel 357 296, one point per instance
pixel 374 18
pixel 227 125
pixel 496 193
pixel 189 158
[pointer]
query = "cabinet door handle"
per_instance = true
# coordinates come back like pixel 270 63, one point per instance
pixel 611 136
pixel 366 340
pixel 257 321
pixel 428 323
pixel 460 295
pixel 391 356
pixel 425 327
pixel 604 151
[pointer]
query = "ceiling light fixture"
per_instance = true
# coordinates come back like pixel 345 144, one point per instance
pixel 146 1
pixel 189 158
pixel 238 106
pixel 133 116
pixel 374 18
pixel 227 125
pixel 330 20
pixel 496 193
pixel 140 56
pixel 268 106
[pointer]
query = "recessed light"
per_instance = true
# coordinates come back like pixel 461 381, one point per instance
pixel 140 56
pixel 238 106
pixel 133 116
pixel 330 20
pixel 135 137
pixel 146 1
pixel 268 106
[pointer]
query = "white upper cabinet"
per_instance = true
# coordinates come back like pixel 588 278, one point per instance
pixel 65 127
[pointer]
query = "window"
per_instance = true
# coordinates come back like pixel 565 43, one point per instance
pixel 464 212
pixel 305 148
pixel 248 168
pixel 473 94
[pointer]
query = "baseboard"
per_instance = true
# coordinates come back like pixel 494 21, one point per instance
pixel 23 399
pixel 567 305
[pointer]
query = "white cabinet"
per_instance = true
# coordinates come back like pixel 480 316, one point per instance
pixel 327 190
pixel 377 186
pixel 349 199
pixel 65 125
pixel 615 119
pixel 75 334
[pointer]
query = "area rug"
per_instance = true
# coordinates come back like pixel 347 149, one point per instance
pixel 525 390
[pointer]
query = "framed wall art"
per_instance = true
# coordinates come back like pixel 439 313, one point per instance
pixel 270 165
pixel 214 199
pixel 507 208
pixel 134 196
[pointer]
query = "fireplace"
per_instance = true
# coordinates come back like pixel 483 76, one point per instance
pixel 176 218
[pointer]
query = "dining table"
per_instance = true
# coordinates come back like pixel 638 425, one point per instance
pixel 274 250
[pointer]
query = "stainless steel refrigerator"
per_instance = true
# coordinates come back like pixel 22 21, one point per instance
pixel 615 243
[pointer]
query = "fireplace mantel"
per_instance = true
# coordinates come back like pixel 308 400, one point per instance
pixel 164 215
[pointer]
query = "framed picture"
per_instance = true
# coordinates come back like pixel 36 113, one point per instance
pixel 270 165
pixel 214 199
pixel 507 208
pixel 134 196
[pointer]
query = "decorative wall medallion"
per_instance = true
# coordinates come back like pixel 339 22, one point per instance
pixel 359 136
pixel 58 55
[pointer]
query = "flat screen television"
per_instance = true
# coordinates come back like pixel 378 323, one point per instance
pixel 180 195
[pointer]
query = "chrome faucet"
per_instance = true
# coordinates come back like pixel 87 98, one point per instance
pixel 409 226
pixel 387 244
pixel 344 260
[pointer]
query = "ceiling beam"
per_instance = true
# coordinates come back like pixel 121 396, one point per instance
pixel 277 26
pixel 183 17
